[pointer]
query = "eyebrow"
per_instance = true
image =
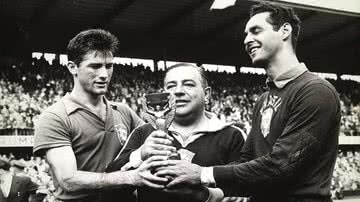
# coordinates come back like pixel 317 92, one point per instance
pixel 183 81
pixel 100 63
pixel 187 80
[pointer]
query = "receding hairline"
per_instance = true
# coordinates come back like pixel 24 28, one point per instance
pixel 199 69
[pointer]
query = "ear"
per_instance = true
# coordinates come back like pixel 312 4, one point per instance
pixel 286 30
pixel 207 91
pixel 72 67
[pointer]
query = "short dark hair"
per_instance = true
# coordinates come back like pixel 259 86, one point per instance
pixel 4 164
pixel 278 16
pixel 92 39
pixel 200 69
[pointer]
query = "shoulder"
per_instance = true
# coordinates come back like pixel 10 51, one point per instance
pixel 26 183
pixel 314 82
pixel 54 111
pixel 311 87
pixel 233 131
pixel 54 115
pixel 22 179
pixel 313 94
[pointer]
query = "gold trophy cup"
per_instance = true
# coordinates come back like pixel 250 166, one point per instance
pixel 159 111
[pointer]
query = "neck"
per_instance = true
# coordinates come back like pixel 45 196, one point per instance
pixel 188 123
pixel 87 99
pixel 281 63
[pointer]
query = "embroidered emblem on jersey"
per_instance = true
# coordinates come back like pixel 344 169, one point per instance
pixel 270 106
pixel 186 155
pixel 121 133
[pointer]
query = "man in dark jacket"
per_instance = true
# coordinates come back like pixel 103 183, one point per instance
pixel 197 135
pixel 14 188
pixel 291 150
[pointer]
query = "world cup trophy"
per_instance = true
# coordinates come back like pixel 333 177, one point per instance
pixel 159 111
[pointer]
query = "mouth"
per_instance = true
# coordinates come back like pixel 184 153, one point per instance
pixel 101 84
pixel 181 102
pixel 252 50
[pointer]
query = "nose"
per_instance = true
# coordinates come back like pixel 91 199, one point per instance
pixel 248 39
pixel 103 73
pixel 179 90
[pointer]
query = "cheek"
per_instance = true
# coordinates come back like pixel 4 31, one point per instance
pixel 110 72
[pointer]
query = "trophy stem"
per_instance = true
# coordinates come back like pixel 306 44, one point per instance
pixel 160 124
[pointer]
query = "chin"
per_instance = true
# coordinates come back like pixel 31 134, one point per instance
pixel 102 92
pixel 180 113
pixel 259 62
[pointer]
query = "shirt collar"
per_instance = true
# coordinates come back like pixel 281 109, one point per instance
pixel 71 105
pixel 211 124
pixel 288 76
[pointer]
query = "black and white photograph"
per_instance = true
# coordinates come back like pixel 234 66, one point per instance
pixel 179 101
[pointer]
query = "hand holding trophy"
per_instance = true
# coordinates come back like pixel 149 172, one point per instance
pixel 159 111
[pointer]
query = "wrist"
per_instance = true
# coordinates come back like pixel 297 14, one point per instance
pixel 207 177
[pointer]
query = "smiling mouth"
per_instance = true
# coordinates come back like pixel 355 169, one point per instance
pixel 180 102
pixel 252 50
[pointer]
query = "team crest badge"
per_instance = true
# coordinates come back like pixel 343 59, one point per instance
pixel 270 106
pixel 266 116
pixel 121 133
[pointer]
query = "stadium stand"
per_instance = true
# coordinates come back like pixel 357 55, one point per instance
pixel 27 89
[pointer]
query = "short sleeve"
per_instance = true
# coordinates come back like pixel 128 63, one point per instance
pixel 50 132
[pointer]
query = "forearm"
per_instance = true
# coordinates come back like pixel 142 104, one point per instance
pixel 280 167
pixel 82 180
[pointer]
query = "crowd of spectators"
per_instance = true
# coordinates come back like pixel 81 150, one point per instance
pixel 346 176
pixel 27 89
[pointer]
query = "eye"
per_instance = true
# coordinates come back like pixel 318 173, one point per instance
pixel 95 66
pixel 189 84
pixel 256 30
pixel 109 66
pixel 170 86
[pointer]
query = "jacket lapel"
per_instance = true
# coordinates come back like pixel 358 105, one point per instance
pixel 14 187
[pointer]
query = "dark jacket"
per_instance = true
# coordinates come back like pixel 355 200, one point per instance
pixel 21 188
pixel 291 150
pixel 217 144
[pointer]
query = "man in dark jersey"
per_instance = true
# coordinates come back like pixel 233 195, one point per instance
pixel 83 132
pixel 197 135
pixel 291 150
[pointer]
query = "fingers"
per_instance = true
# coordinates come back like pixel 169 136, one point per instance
pixel 175 182
pixel 158 143
pixel 165 172
pixel 155 161
pixel 126 167
pixel 155 180
pixel 165 148
pixel 154 185
pixel 172 168
pixel 149 179
pixel 159 134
